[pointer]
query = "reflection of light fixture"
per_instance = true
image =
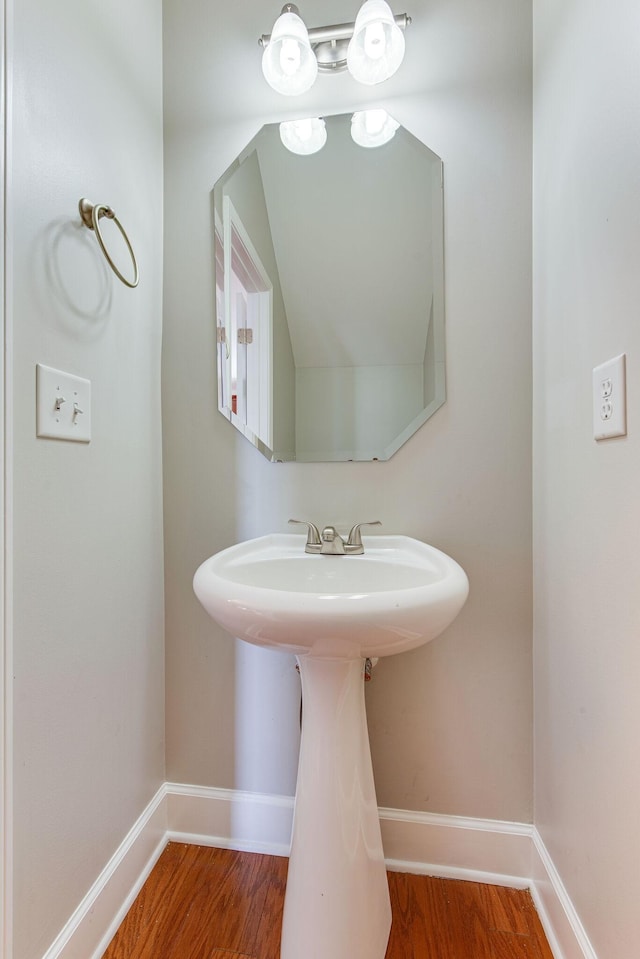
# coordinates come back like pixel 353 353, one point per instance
pixel 369 128
pixel 372 128
pixel 372 48
pixel 304 136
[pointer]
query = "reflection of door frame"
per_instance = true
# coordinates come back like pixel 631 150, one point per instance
pixel 222 344
pixel 6 731
pixel 237 244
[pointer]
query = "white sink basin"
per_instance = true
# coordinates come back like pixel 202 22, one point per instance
pixel 399 594
pixel 332 612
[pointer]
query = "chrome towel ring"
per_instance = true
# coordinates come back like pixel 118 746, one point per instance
pixel 91 215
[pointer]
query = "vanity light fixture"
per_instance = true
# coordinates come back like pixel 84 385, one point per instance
pixel 288 62
pixel 373 128
pixel 376 48
pixel 371 49
pixel 304 137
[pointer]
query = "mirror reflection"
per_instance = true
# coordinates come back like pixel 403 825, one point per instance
pixel 330 294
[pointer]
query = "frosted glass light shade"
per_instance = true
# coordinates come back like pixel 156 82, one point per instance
pixel 373 128
pixel 376 48
pixel 304 136
pixel 289 64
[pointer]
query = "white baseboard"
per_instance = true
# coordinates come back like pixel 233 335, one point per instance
pixel 562 925
pixel 453 847
pixel 230 819
pixel 479 849
pixel 482 850
pixel 94 923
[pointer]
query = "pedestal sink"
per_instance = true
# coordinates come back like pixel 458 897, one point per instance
pixel 333 612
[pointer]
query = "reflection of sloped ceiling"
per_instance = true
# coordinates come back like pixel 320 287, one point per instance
pixel 352 232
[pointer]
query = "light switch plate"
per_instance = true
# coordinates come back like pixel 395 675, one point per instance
pixel 610 399
pixel 63 405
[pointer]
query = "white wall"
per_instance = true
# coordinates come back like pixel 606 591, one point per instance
pixel 450 723
pixel 587 506
pixel 85 119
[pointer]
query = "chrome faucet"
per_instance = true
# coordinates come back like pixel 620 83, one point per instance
pixel 330 542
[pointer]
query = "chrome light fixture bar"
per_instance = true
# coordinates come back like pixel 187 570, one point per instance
pixel 371 48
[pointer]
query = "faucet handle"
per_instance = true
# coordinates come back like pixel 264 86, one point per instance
pixel 313 533
pixel 355 540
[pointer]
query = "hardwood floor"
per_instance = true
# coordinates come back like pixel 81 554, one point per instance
pixel 206 903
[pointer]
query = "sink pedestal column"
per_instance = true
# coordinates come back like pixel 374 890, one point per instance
pixel 337 901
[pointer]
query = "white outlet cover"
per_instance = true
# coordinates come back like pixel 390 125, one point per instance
pixel 63 405
pixel 609 385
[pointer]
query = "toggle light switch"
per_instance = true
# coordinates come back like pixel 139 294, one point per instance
pixel 63 405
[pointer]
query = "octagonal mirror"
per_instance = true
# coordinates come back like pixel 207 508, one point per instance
pixel 330 295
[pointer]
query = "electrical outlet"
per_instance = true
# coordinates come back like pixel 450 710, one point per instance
pixel 610 399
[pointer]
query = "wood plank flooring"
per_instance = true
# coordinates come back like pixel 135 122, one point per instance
pixel 206 903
